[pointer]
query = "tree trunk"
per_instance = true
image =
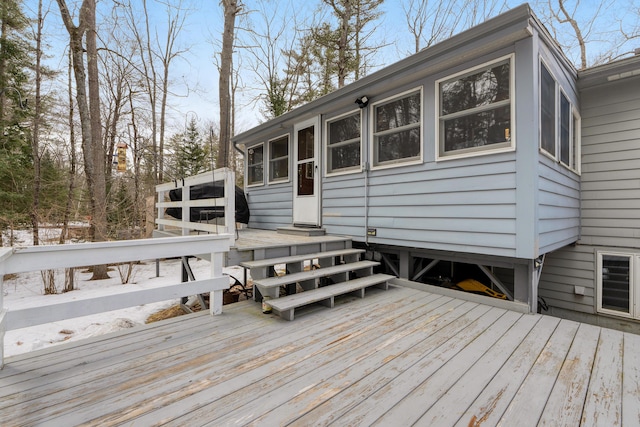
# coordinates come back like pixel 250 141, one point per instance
pixel 89 110
pixel 231 9
pixel 35 140
pixel 72 167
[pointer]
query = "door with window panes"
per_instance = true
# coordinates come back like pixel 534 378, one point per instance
pixel 306 177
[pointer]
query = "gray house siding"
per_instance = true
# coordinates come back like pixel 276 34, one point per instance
pixel 559 206
pixel 610 191
pixel 462 206
pixel 558 186
pixel 270 206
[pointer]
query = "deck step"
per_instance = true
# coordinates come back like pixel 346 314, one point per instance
pixel 286 306
pixel 301 231
pixel 269 262
pixel 275 282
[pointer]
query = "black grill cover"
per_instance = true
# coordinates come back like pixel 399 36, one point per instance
pixel 210 190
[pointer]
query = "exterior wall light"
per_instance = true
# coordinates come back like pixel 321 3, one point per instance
pixel 363 101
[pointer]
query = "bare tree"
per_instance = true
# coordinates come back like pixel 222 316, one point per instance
pixel 566 16
pixel 431 22
pixel 35 137
pixel 270 35
pixel 72 156
pixel 231 9
pixel 88 99
pixel 157 53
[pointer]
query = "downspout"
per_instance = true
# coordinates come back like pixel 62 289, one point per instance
pixel 366 203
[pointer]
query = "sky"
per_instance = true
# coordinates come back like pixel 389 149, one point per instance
pixel 194 73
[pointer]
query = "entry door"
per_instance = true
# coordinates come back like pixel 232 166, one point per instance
pixel 306 181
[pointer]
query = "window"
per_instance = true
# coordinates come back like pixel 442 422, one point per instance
pixel 255 167
pixel 547 111
pixel 343 144
pixel 616 284
pixel 475 110
pixel 565 130
pixel 397 129
pixel 279 159
pixel 559 122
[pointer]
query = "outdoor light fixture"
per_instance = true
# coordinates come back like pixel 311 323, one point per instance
pixel 363 101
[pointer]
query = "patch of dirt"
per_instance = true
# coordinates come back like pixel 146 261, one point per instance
pixel 168 313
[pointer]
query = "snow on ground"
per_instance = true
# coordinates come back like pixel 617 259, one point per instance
pixel 27 290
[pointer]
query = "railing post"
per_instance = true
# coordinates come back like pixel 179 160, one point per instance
pixel 216 297
pixel 161 197
pixel 2 321
pixel 4 254
pixel 186 209
pixel 230 203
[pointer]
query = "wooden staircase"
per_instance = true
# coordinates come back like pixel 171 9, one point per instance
pixel 313 278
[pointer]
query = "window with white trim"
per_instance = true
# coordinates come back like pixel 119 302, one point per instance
pixel 617 292
pixel 547 111
pixel 255 165
pixel 279 159
pixel 343 144
pixel 397 129
pixel 475 110
pixel 559 122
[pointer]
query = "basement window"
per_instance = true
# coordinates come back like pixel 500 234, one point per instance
pixel 616 284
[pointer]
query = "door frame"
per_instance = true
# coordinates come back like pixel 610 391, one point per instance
pixel 306 209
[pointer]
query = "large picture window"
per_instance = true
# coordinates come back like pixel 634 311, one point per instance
pixel 475 110
pixel 343 144
pixel 255 165
pixel 397 129
pixel 617 284
pixel 279 159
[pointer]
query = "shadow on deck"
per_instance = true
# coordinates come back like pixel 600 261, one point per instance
pixel 393 358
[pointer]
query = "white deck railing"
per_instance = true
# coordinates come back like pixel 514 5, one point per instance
pixel 228 203
pixel 37 258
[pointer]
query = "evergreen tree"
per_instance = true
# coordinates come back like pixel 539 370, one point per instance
pixel 190 154
pixel 16 167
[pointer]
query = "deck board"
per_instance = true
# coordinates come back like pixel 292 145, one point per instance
pixel 603 405
pixel 452 404
pixel 393 358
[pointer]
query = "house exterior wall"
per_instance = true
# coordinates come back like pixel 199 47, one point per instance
pixel 610 205
pixel 515 203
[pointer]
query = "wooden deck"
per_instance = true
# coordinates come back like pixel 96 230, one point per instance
pixel 395 358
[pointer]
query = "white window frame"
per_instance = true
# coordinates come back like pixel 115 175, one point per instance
pixel 556 105
pixel 576 140
pixel 375 164
pixel 271 160
pixel 561 95
pixel 574 125
pixel 487 149
pixel 634 283
pixel 344 171
pixel 264 171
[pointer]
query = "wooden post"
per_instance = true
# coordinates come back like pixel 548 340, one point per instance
pixel 4 254
pixel 215 297
pixel 2 319
pixel 186 209
pixel 230 203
